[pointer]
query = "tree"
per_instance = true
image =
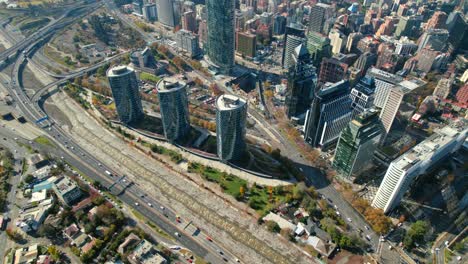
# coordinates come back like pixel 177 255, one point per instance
pixel 48 231
pixel 241 191
pixel 268 94
pixel 215 90
pixel 415 234
pixel 29 179
pixel 380 223
pixel 273 226
pixel 54 252
pixel 345 242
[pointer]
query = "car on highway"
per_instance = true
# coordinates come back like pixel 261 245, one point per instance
pixel 349 219
pixel 177 234
pixel 209 239
pixel 162 208
pixel 137 204
pixel 150 205
pixel 366 227
pixel 337 213
pixel 178 219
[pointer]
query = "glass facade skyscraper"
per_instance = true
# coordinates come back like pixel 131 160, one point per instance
pixel 357 143
pixel 221 35
pixel 302 80
pixel 124 86
pixel 329 113
pixel 174 109
pixel 231 115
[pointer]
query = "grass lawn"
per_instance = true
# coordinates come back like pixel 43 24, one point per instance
pixel 33 24
pixel 26 146
pixel 43 141
pixel 159 230
pixel 57 57
pixel 144 76
pixel 230 183
pixel 25 3
pixel 447 255
pixel 25 166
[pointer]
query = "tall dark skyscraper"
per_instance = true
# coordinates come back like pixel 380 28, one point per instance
pixel 221 35
pixel 329 114
pixel 302 79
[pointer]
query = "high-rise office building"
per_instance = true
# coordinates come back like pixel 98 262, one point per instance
pixel 189 21
pixel 319 13
pixel 405 169
pixel 246 44
pixel 384 82
pixel 400 102
pixel 435 38
pixel 338 41
pixel 165 10
pixel 124 86
pixel 279 25
pixel 302 80
pixel 188 41
pixel 293 37
pixel 332 70
pixel 221 35
pixel 362 95
pixel 408 26
pixel 457 25
pixel 231 114
pixel 365 61
pixel 150 12
pixel 357 143
pixel 318 46
pixel 329 113
pixel 173 104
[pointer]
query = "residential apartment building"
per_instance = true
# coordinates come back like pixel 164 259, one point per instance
pixel 188 41
pixel 221 35
pixel 174 109
pixel 231 115
pixel 124 85
pixel 246 44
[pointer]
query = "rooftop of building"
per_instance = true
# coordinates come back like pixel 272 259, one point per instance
pixel 229 102
pixel 119 70
pixel 408 86
pixel 65 185
pixel 329 87
pixel 167 85
pixel 383 75
pixel 424 150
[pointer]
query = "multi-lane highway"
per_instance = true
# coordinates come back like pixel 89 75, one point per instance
pixel 187 235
